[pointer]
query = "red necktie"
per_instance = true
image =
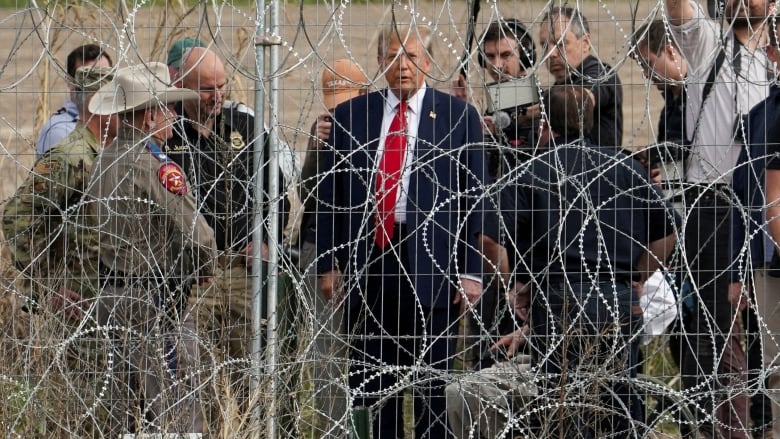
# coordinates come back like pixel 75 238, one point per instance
pixel 389 175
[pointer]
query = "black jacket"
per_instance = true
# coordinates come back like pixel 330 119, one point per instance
pixel 221 168
pixel 608 91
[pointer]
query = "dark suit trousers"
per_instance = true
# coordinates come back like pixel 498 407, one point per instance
pixel 399 344
pixel 710 365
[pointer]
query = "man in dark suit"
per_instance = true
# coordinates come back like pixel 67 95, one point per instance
pixel 397 220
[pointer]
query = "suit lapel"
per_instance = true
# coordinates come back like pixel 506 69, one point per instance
pixel 426 129
pixel 375 112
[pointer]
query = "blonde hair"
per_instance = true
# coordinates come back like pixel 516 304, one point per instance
pixel 401 33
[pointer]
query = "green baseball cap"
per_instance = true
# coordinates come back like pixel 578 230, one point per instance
pixel 91 78
pixel 178 48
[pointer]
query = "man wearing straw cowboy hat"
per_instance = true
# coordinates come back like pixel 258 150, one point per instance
pixel 154 246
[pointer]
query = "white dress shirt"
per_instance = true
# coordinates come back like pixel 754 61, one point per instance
pixel 412 123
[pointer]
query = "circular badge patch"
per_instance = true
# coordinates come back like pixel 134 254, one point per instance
pixel 172 177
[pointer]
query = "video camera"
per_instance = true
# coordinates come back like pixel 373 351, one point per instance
pixel 508 96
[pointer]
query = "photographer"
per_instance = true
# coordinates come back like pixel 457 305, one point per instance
pixel 569 54
pixel 506 52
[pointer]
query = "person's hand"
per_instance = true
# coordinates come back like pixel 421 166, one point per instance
pixel 247 253
pixel 69 303
pixel 331 285
pixel 738 297
pixel 460 88
pixel 324 124
pixel 471 289
pixel 639 287
pixel 653 172
pixel 490 127
pixel 531 113
pixel 520 298
pixel 512 342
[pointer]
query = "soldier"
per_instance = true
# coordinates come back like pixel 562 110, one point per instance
pixel 51 242
pixel 38 222
pixel 153 247
pixel 64 120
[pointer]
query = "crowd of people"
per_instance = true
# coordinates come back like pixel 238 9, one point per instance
pixel 136 229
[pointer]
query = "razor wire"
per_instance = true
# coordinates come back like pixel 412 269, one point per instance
pixel 58 374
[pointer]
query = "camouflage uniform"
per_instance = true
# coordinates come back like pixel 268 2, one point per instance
pixel 43 222
pixel 154 244
pixel 53 243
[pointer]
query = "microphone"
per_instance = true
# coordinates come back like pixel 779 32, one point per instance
pixel 501 120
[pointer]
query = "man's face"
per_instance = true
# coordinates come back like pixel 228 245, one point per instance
pixel 502 59
pixel 564 50
pixel 209 81
pixel 661 68
pixel 163 118
pixel 746 12
pixel 405 66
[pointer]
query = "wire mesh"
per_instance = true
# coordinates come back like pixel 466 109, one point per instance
pixel 127 261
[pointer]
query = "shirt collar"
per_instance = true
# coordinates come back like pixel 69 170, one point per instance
pixel 415 102
pixel 71 108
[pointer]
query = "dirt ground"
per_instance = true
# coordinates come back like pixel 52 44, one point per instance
pixel 36 45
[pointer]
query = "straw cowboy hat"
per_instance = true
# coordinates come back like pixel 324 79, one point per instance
pixel 136 88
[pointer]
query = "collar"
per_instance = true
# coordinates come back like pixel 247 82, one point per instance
pixel 131 136
pixel 187 123
pixel 586 67
pixel 71 108
pixel 89 136
pixel 415 102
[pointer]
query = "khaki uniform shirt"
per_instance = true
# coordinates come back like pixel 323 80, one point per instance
pixel 149 223
pixel 46 224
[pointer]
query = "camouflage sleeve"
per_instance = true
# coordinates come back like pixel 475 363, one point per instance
pixel 33 218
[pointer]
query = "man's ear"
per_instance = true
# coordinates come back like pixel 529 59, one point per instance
pixel 586 44
pixel 149 117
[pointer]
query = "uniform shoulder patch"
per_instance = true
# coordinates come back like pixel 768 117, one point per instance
pixel 172 177
pixel 170 174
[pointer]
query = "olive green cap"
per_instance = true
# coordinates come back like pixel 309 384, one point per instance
pixel 178 48
pixel 91 78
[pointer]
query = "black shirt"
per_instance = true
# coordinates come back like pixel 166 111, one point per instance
pixel 608 91
pixel 580 212
pixel 671 127
pixel 671 124
pixel 221 168
pixel 516 144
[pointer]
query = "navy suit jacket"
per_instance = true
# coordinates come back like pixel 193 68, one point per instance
pixel 445 195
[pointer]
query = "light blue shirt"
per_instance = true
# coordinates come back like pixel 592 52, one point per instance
pixel 57 127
